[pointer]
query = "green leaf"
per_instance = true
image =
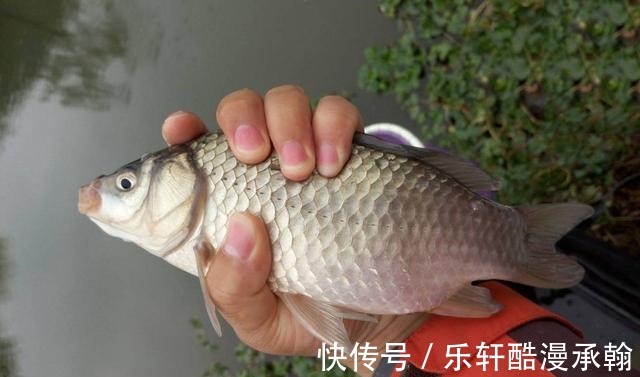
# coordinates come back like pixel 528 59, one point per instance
pixel 522 86
pixel 520 38
pixel 616 12
pixel 630 69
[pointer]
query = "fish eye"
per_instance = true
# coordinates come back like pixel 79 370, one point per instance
pixel 126 181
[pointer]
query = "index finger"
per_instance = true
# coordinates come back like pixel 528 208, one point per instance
pixel 182 126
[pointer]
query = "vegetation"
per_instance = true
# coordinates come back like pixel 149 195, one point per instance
pixel 545 95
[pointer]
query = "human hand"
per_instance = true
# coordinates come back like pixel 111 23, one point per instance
pixel 303 141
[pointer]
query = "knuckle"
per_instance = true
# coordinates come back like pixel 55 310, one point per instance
pixel 334 99
pixel 264 335
pixel 287 90
pixel 233 309
pixel 237 102
pixel 224 299
pixel 336 111
pixel 260 333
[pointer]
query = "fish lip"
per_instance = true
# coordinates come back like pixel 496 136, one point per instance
pixel 89 198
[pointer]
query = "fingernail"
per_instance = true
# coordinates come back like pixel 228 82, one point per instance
pixel 327 159
pixel 247 138
pixel 240 239
pixel 293 153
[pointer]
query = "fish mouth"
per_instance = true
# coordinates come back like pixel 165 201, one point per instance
pixel 89 199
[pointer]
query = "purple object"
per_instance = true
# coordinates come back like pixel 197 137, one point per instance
pixel 396 134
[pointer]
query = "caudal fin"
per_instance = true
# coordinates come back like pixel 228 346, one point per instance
pixel 546 224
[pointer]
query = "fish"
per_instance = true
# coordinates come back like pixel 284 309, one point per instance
pixel 400 230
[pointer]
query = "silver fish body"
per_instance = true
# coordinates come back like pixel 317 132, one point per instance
pixel 388 235
pixel 399 230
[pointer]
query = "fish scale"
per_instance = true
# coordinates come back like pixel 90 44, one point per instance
pixel 378 238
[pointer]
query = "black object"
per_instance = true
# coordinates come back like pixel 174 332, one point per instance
pixel 612 281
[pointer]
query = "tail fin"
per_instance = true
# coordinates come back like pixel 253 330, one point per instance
pixel 546 224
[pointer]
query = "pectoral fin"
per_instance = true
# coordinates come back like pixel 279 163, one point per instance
pixel 471 302
pixel 204 251
pixel 322 320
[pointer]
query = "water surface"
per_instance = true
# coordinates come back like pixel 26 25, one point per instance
pixel 84 87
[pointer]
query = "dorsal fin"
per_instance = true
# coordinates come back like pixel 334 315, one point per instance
pixel 461 170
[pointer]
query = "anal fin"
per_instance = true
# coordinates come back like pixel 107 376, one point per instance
pixel 471 302
pixel 393 328
pixel 203 252
pixel 321 319
pixel 345 313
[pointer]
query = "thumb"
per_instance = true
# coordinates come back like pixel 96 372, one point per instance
pixel 237 279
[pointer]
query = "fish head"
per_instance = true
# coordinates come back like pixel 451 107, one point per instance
pixel 155 201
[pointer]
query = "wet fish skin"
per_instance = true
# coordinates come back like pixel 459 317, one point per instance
pixel 400 230
pixel 389 235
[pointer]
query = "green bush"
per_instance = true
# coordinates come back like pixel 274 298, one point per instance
pixel 545 95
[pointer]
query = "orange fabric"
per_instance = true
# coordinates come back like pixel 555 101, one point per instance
pixel 443 331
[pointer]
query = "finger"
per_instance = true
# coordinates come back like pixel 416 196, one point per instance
pixel 334 123
pixel 237 280
pixel 288 116
pixel 181 126
pixel 241 117
pixel 238 274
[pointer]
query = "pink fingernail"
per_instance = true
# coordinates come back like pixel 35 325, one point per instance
pixel 240 241
pixel 327 159
pixel 327 154
pixel 247 138
pixel 293 153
